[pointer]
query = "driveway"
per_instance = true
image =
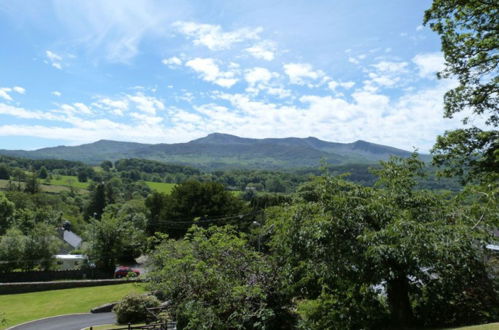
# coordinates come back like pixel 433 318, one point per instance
pixel 68 322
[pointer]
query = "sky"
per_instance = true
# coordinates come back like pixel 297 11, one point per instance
pixel 74 72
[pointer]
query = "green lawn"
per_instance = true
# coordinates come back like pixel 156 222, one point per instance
pixel 161 186
pixel 23 307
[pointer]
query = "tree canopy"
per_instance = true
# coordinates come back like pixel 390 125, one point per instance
pixel 470 42
pixel 356 245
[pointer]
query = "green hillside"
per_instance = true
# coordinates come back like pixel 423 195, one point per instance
pixel 223 151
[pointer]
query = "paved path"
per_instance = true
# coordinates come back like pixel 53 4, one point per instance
pixel 68 322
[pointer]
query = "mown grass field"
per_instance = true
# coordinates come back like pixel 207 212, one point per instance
pixel 67 181
pixel 24 307
pixel 161 186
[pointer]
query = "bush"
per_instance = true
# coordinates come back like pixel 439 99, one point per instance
pixel 133 308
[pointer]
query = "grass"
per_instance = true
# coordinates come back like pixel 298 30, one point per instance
pixel 161 186
pixel 24 307
pixel 4 184
pixel 68 181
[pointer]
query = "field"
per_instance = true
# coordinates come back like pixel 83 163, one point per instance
pixel 161 186
pixel 50 188
pixel 23 307
pixel 67 181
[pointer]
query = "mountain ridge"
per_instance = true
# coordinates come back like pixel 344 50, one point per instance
pixel 219 151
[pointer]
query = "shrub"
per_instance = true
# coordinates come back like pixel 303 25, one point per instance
pixel 133 308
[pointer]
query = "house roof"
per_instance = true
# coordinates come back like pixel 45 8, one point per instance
pixel 71 238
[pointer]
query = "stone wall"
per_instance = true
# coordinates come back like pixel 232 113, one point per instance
pixel 54 275
pixel 10 288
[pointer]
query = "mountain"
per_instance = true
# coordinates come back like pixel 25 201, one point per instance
pixel 219 151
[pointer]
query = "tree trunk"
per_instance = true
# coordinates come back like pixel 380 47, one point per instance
pixel 398 300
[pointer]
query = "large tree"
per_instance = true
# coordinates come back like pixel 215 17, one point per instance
pixel 470 42
pixel 112 239
pixel 356 245
pixel 189 201
pixel 213 279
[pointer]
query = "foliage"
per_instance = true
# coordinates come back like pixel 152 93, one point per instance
pixel 97 202
pixel 214 280
pixel 32 185
pixel 111 239
pixel 12 247
pixel 4 172
pixel 264 200
pixel 346 308
pixel 6 212
pixel 150 166
pixel 34 250
pixel 42 244
pixel 106 165
pixel 470 43
pixel 43 173
pixel 174 213
pixel 133 308
pixel 354 239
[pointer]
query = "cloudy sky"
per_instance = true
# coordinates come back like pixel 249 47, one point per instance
pixel 73 72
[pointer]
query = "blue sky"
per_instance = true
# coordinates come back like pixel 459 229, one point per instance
pixel 74 72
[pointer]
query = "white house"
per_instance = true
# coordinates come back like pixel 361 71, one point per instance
pixel 69 261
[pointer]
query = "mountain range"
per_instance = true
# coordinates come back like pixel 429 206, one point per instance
pixel 222 151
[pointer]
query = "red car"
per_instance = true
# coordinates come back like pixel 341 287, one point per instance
pixel 124 271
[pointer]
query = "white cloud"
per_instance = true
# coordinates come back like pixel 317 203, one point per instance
pixel 111 31
pixel 54 59
pixel 5 92
pixel 413 118
pixel 82 108
pixel 172 61
pixel 19 89
pixel 147 104
pixel 56 93
pixel 210 71
pixel 116 106
pixel 261 79
pixel 299 73
pixel 213 37
pixel 429 64
pixel 391 67
pixel 19 112
pixel 385 74
pixel 264 50
pixel 335 84
pixel 257 75
pixel 147 119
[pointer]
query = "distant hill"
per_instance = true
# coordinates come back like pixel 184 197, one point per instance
pixel 222 151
